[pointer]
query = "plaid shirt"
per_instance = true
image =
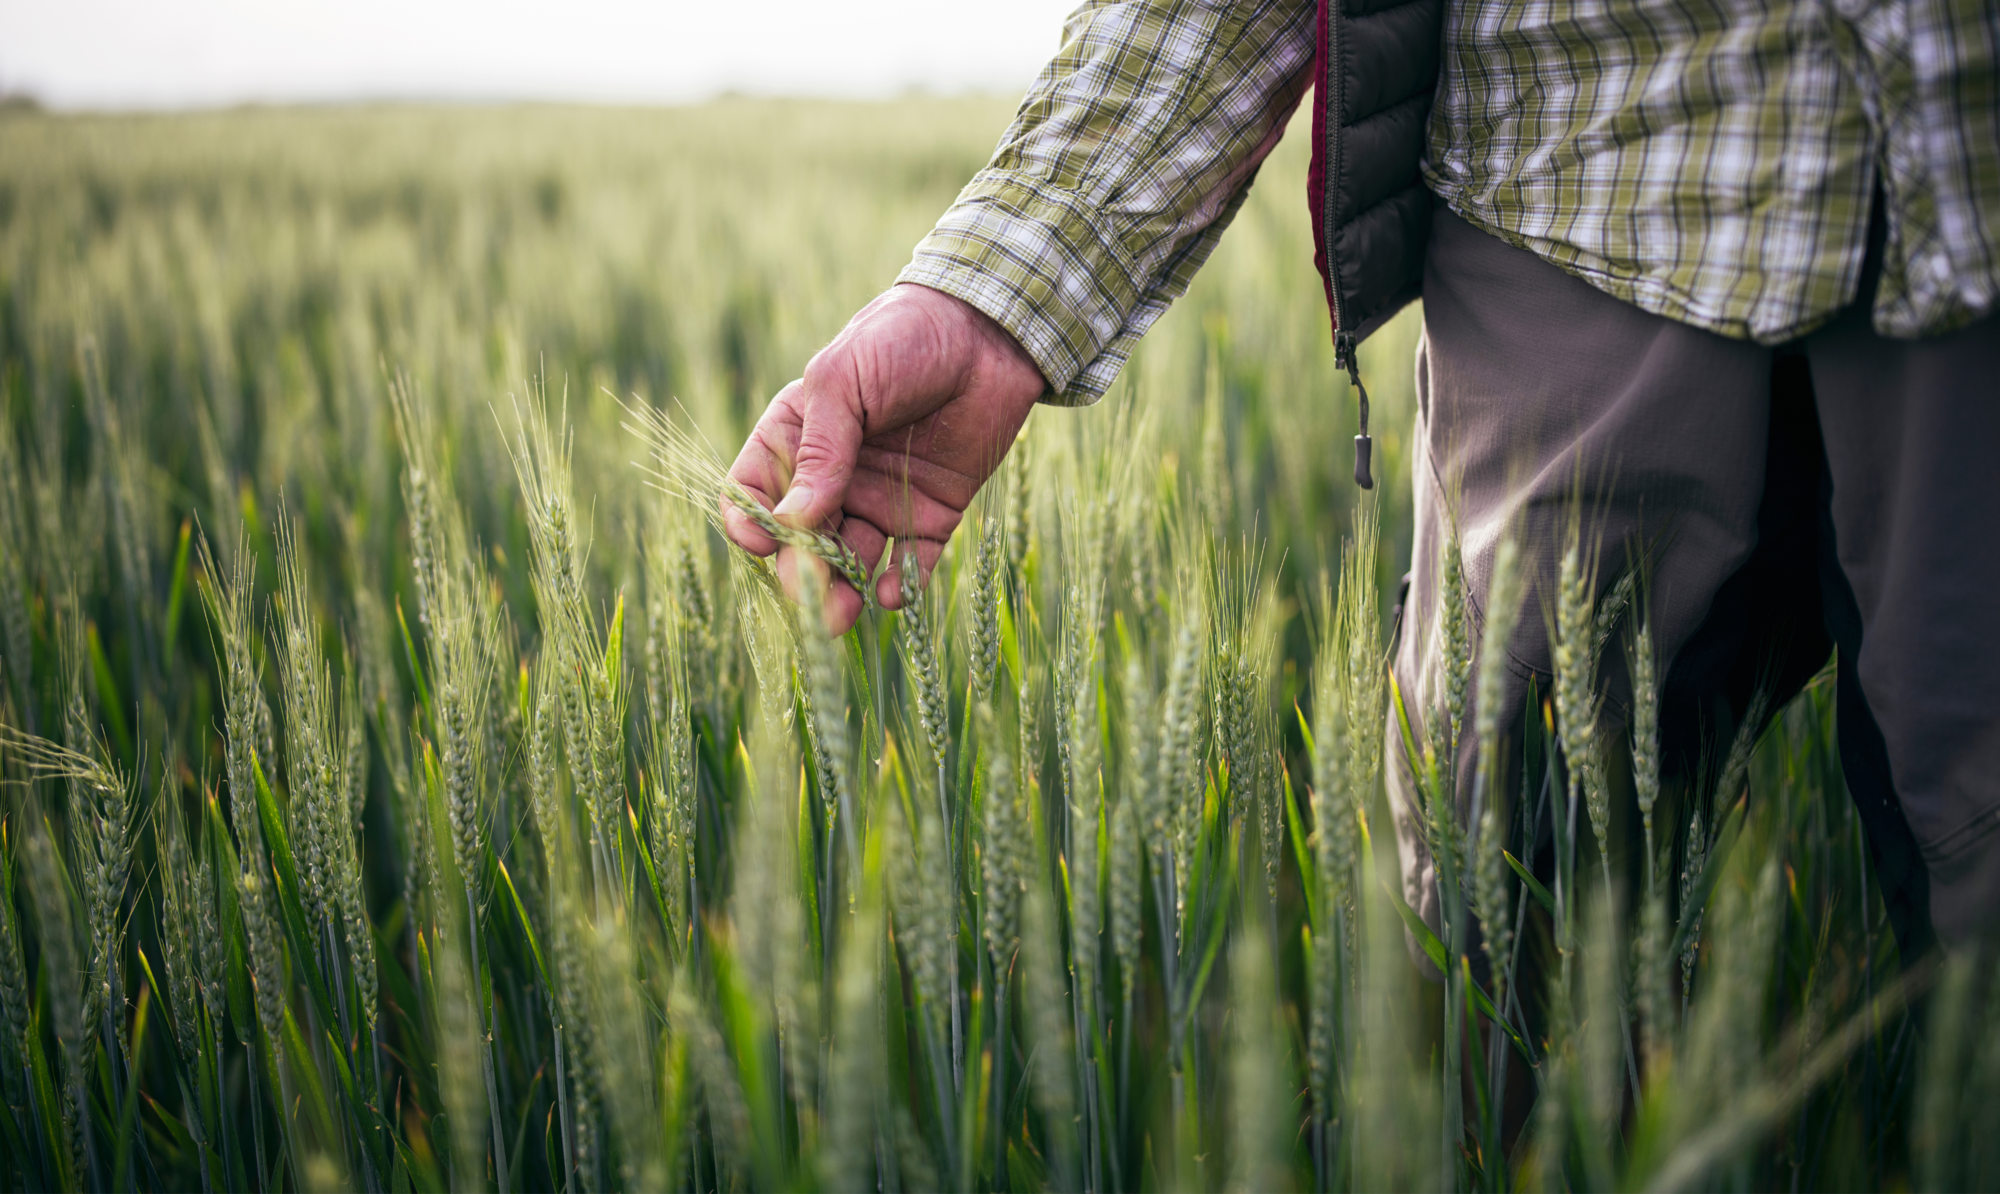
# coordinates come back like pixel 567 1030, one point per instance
pixel 1711 161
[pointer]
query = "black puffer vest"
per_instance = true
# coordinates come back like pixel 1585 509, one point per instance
pixel 1377 70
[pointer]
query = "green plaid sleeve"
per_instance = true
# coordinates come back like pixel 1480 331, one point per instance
pixel 1715 161
pixel 1129 156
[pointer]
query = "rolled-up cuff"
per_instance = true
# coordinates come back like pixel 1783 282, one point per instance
pixel 1041 263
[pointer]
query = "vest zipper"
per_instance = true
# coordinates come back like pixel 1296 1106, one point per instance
pixel 1334 84
pixel 1343 353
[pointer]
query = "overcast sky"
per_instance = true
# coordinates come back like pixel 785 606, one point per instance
pixel 192 53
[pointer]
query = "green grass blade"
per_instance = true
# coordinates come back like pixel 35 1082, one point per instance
pixel 128 1114
pixel 747 1036
pixel 1528 880
pixel 416 667
pixel 1411 754
pixel 807 868
pixel 176 594
pixel 48 1105
pixel 857 667
pixel 14 1138
pixel 1211 947
pixel 614 644
pixel 1302 852
pixel 110 704
pixel 1433 949
pixel 182 1140
pixel 305 1076
pixel 527 928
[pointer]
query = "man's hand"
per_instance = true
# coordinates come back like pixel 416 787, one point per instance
pixel 891 432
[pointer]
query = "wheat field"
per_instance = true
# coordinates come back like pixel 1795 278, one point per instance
pixel 405 788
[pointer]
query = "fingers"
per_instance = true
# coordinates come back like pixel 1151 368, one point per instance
pixel 744 533
pixel 764 467
pixel 843 605
pixel 799 459
pixel 889 586
pixel 868 540
pixel 829 438
pixel 840 606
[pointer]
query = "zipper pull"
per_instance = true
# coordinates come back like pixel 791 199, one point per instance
pixel 1343 354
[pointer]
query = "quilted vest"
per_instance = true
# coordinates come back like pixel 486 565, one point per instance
pixel 1377 68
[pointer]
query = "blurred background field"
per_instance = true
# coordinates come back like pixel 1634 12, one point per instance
pixel 274 267
pixel 205 323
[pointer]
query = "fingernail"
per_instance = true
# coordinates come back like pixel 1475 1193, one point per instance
pixel 797 498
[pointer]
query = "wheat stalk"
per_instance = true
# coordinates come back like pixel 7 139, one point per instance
pixel 67 978
pixel 925 672
pixel 1456 645
pixel 1645 735
pixel 1173 809
pixel 14 998
pixel 1020 509
pixel 1489 877
pixel 1575 681
pixel 182 884
pixel 983 613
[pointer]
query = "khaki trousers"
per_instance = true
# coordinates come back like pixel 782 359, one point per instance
pixel 1837 495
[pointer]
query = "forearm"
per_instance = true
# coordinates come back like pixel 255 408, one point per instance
pixel 1127 159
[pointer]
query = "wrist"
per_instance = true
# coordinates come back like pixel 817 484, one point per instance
pixel 995 356
pixel 1013 368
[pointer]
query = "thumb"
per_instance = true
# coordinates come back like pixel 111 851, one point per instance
pixel 830 430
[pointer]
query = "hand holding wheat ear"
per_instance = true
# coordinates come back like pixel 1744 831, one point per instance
pixel 892 430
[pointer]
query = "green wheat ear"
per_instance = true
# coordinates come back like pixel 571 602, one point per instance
pixel 1489 872
pixel 687 466
pixel 983 600
pixel 921 655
